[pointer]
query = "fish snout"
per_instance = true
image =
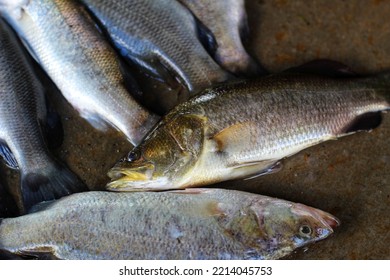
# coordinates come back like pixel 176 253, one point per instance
pixel 328 223
pixel 124 177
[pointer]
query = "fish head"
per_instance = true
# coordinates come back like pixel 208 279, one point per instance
pixel 279 227
pixel 165 156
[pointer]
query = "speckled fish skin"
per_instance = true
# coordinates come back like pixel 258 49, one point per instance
pixel 161 37
pixel 66 43
pixel 196 224
pixel 226 19
pixel 244 129
pixel 22 112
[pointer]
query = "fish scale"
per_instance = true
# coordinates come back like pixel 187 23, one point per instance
pixel 201 224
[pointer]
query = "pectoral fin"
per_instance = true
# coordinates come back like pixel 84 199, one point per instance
pixel 235 138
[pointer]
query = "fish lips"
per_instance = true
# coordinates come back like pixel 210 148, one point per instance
pixel 137 172
pixel 138 177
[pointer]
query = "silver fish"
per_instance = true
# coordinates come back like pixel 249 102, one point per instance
pixel 244 129
pixel 226 19
pixel 65 41
pixel 22 113
pixel 196 224
pixel 161 38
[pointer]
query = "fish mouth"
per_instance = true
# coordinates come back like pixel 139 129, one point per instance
pixel 124 178
pixel 135 179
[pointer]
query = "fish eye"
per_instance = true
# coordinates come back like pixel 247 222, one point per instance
pixel 133 156
pixel 305 230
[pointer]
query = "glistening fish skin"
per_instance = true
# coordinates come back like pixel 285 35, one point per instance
pixel 243 129
pixel 22 112
pixel 161 38
pixel 66 43
pixel 226 20
pixel 196 224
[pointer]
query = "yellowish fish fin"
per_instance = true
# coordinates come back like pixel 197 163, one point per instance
pixel 233 138
pixel 214 209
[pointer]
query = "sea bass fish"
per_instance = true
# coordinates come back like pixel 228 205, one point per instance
pixel 22 114
pixel 66 43
pixel 161 38
pixel 196 224
pixel 226 20
pixel 243 129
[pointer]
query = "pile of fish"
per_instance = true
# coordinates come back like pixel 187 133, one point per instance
pixel 174 78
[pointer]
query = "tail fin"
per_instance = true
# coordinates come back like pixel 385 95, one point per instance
pixel 47 184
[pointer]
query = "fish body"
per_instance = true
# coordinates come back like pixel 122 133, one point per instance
pixel 22 115
pixel 226 20
pixel 161 38
pixel 200 224
pixel 244 129
pixel 64 40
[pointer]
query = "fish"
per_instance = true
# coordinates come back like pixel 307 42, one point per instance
pixel 227 21
pixel 243 129
pixel 161 40
pixel 22 116
pixel 65 41
pixel 195 224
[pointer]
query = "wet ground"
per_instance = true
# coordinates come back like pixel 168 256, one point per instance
pixel 349 177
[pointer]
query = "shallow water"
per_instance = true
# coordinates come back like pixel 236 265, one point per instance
pixel 349 177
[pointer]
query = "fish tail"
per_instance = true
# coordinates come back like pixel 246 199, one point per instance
pixel 50 183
